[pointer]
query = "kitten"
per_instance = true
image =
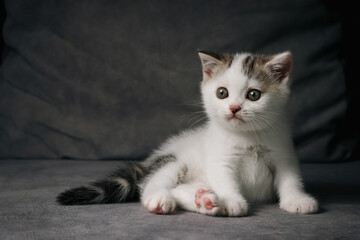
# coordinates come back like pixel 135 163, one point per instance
pixel 243 154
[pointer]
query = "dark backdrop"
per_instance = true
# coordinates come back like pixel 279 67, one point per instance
pixel 112 79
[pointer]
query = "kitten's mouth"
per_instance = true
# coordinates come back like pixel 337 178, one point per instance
pixel 235 117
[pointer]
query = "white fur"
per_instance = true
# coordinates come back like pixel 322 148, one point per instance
pixel 238 162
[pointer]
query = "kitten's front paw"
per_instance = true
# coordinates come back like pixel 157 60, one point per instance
pixel 160 203
pixel 234 207
pixel 304 204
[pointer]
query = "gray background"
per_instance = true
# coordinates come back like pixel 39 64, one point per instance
pixel 113 79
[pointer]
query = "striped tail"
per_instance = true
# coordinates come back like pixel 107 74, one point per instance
pixel 120 186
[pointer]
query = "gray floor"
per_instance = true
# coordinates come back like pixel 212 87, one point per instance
pixel 28 210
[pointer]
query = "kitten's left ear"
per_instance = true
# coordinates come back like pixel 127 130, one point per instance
pixel 211 63
pixel 280 66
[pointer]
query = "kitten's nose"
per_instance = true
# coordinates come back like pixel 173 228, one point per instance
pixel 234 108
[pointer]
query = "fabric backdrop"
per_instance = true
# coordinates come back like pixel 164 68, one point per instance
pixel 113 79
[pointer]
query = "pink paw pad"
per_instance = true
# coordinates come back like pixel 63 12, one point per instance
pixel 160 205
pixel 200 199
pixel 157 210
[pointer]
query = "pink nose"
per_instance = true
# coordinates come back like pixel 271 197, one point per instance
pixel 234 108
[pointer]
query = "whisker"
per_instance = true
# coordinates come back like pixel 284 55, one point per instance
pixel 191 116
pixel 198 103
pixel 198 121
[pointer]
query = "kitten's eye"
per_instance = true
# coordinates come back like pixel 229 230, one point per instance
pixel 222 93
pixel 253 95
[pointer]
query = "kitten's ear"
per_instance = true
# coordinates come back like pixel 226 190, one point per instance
pixel 280 66
pixel 211 63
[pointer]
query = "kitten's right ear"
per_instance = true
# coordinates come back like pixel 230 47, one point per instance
pixel 211 63
pixel 280 66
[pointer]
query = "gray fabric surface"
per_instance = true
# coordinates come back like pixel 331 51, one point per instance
pixel 98 79
pixel 28 209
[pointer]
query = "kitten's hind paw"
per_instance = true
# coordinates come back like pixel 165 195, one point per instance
pixel 160 204
pixel 206 202
pixel 305 204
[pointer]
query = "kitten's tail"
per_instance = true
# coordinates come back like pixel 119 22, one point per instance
pixel 121 186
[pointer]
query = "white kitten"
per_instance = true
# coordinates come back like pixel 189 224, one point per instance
pixel 243 154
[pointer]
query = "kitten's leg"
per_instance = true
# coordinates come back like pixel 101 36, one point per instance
pixel 156 195
pixel 290 189
pixel 196 197
pixel 223 182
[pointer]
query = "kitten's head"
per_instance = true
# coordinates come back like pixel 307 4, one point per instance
pixel 245 92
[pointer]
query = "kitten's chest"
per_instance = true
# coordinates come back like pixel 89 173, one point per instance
pixel 255 153
pixel 254 171
pixel 252 159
